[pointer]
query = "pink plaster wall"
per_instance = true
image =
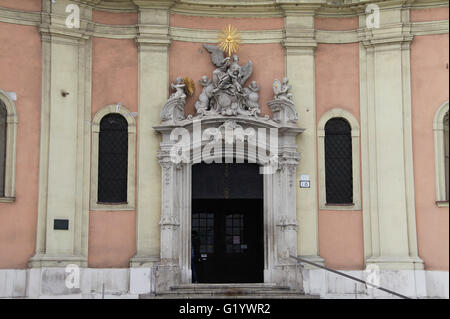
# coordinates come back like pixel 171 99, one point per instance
pixel 20 65
pixel 267 59
pixel 112 234
pixel 26 5
pixel 337 78
pixel 429 86
pixel 114 73
pixel 123 18
pixel 212 23
pixel 336 24
pixel 112 239
pixel 422 15
pixel 341 239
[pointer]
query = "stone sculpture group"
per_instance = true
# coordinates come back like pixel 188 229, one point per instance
pixel 225 94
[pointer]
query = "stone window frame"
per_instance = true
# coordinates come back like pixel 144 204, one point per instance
pixel 356 166
pixel 439 154
pixel 131 185
pixel 11 145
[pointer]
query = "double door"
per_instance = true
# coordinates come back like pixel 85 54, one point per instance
pixel 230 247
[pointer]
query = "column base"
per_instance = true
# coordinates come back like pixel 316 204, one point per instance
pixel 44 260
pixel 144 261
pixel 312 258
pixel 396 263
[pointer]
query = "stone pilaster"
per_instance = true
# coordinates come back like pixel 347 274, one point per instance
pixel 65 137
pixel 300 44
pixel 153 42
pixel 390 236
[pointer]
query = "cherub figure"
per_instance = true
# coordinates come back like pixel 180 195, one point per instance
pixel 252 96
pixel 179 86
pixel 281 90
pixel 202 104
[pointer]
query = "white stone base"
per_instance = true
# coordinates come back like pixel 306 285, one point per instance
pixel 414 284
pixel 130 283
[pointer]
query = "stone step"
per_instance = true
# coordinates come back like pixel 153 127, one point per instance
pixel 230 291
pixel 207 296
pixel 202 287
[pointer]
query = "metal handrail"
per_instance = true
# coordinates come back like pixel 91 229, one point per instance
pixel 350 277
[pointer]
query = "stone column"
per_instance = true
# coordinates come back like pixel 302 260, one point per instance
pixel 390 235
pixel 299 44
pixel 286 271
pixel 65 138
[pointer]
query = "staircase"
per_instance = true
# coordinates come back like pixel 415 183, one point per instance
pixel 230 291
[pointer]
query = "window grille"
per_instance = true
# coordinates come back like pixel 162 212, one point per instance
pixel 3 114
pixel 113 159
pixel 338 162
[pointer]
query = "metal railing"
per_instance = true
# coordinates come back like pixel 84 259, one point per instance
pixel 350 277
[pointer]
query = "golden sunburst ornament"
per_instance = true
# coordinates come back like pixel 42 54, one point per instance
pixel 229 40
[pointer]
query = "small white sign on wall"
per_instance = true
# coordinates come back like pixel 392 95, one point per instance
pixel 305 181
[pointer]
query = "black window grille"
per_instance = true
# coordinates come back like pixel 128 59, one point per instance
pixel 234 233
pixel 203 224
pixel 446 155
pixel 3 114
pixel 338 162
pixel 113 159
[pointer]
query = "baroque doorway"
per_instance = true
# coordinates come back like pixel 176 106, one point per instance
pixel 276 184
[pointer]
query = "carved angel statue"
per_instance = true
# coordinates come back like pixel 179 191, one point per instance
pixel 281 90
pixel 173 110
pixel 252 96
pixel 179 86
pixel 227 96
pixel 203 100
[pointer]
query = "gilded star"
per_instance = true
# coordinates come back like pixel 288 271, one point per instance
pixel 229 40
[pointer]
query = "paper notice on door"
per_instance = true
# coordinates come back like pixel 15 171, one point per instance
pixel 236 240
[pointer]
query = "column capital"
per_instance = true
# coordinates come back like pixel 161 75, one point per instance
pixel 299 36
pixel 394 34
pixel 154 4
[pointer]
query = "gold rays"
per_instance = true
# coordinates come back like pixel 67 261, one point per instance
pixel 229 40
pixel 190 86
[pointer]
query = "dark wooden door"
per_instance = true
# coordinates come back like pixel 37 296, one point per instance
pixel 231 246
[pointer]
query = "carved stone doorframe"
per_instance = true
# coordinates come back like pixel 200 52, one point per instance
pixel 280 221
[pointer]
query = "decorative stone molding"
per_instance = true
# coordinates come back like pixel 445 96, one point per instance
pixel 439 154
pixel 11 138
pixel 280 220
pixel 131 170
pixel 356 155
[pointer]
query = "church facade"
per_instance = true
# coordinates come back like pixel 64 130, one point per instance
pixel 148 147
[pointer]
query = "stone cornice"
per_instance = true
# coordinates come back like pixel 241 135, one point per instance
pixel 293 37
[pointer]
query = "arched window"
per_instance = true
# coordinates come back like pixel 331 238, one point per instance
pixel 441 150
pixel 338 162
pixel 446 146
pixel 113 159
pixel 3 114
pixel 8 133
